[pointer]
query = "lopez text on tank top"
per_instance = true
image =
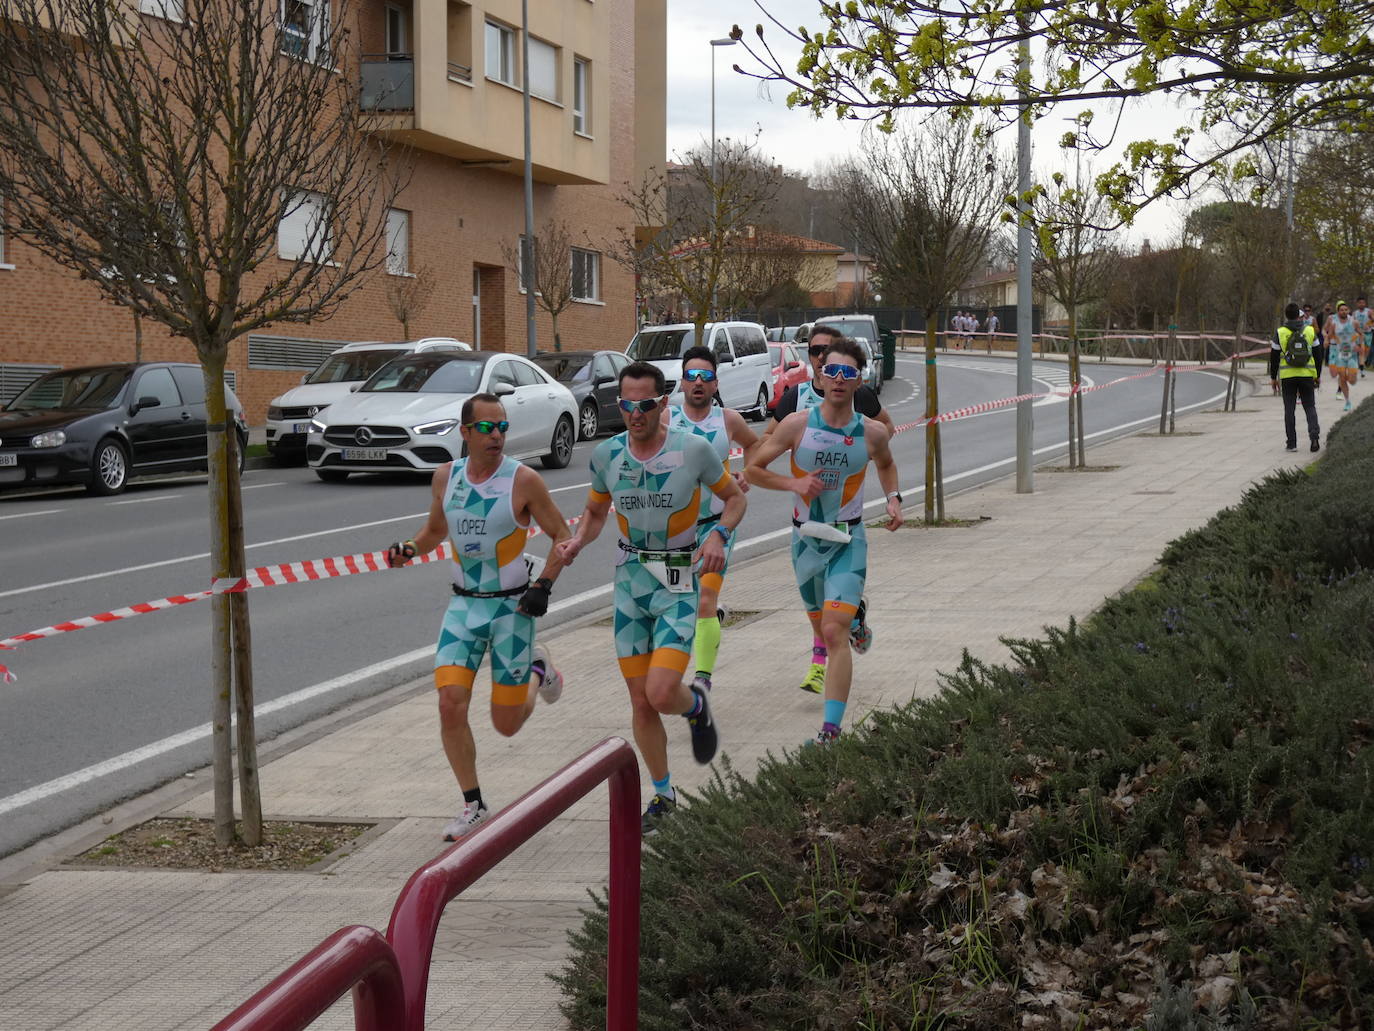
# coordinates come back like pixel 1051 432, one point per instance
pixel 488 543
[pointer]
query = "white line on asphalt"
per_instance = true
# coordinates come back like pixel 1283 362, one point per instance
pixel 255 486
pixel 41 511
pixel 118 763
pixel 139 501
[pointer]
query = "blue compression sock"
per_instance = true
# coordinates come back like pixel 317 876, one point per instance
pixel 664 787
pixel 834 711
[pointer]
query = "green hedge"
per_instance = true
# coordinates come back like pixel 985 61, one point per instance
pixel 1166 810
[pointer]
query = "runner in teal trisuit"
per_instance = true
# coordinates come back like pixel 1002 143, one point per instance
pixel 721 427
pixel 831 446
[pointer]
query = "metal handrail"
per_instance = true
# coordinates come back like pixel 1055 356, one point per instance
pixel 352 957
pixel 462 71
pixel 415 918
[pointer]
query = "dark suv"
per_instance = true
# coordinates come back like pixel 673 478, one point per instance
pixel 101 424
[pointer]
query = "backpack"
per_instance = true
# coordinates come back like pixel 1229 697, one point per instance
pixel 1297 349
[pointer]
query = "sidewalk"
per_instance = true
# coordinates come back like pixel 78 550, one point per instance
pixel 114 949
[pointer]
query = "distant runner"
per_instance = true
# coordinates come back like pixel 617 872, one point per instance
pixel 1342 353
pixel 831 446
pixel 656 478
pixel 483 504
pixel 720 426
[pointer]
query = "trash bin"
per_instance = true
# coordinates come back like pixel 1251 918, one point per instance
pixel 889 340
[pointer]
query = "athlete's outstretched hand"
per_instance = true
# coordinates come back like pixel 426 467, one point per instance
pixel 400 553
pixel 710 557
pixel 568 549
pixel 809 486
pixel 894 514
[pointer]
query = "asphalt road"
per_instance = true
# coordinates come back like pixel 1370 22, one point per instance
pixel 102 714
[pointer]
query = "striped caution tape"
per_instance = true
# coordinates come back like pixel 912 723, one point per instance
pixel 374 561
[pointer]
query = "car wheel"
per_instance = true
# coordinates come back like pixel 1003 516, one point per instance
pixel 560 453
pixel 761 405
pixel 590 424
pixel 109 468
pixel 332 475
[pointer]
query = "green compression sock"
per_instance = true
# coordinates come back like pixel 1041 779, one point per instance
pixel 705 645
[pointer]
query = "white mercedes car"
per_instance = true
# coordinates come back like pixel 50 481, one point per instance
pixel 406 416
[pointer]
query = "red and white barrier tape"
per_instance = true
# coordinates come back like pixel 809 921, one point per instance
pixel 373 561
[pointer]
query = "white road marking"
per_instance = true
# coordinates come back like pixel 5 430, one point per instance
pixel 255 486
pixel 140 501
pixel 125 761
pixel 41 511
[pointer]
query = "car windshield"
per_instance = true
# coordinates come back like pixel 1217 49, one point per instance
pixel 426 375
pixel 78 388
pixel 775 353
pixel 649 344
pixel 350 366
pixel 566 368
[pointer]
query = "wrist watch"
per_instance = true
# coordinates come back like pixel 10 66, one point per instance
pixel 895 495
pixel 725 532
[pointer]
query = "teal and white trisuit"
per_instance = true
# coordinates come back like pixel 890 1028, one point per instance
pixel 831 572
pixel 712 429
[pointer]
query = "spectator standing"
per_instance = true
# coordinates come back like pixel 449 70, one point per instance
pixel 1291 366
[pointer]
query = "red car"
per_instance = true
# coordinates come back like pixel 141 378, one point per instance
pixel 789 369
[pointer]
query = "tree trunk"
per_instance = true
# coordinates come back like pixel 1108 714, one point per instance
pixel 138 338
pixel 250 793
pixel 932 428
pixel 212 370
pixel 557 340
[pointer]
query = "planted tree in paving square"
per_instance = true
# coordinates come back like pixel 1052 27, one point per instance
pixel 171 148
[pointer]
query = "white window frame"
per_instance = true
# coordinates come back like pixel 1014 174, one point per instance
pixel 311 42
pixel 591 265
pixel 168 10
pixel 582 96
pixel 397 242
pixel 507 53
pixel 547 87
pixel 299 233
pixel 399 46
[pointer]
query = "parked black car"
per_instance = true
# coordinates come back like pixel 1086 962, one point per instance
pixel 593 378
pixel 101 424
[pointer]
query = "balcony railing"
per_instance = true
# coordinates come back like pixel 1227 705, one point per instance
pixel 388 82
pixel 459 72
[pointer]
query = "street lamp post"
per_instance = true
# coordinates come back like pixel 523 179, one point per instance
pixel 715 200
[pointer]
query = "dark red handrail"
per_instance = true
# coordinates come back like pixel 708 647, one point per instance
pixel 415 918
pixel 352 957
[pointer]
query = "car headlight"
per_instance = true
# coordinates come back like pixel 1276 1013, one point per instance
pixel 435 428
pixel 53 438
pixel 274 413
pixel 317 427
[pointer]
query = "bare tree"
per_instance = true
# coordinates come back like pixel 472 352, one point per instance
pixel 172 149
pixel 407 295
pixel 695 254
pixel 926 204
pixel 551 270
pixel 1074 263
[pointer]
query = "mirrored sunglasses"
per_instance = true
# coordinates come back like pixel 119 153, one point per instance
pixel 700 375
pixel 486 425
pixel 837 371
pixel 646 406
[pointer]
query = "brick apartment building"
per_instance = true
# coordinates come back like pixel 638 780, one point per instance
pixel 448 82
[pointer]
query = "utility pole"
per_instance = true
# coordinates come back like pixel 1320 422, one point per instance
pixel 527 265
pixel 1025 420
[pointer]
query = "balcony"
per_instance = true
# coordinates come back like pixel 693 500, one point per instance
pixel 388 82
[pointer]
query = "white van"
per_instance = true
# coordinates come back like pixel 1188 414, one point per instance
pixel 288 416
pixel 743 366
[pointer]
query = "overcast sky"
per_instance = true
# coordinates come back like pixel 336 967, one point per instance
pixel 794 138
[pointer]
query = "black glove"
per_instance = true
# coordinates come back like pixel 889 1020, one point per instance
pixel 535 600
pixel 400 553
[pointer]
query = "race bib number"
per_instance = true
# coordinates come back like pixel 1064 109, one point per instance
pixel 673 571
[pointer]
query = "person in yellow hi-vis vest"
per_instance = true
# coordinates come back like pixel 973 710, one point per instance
pixel 1293 368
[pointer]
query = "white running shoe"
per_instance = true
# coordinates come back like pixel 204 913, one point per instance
pixel 551 683
pixel 465 822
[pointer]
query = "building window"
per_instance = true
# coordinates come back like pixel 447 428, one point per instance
pixel 172 10
pixel 543 70
pixel 582 96
pixel 397 241
pixel 586 275
pixel 500 53
pixel 303 232
pixel 304 29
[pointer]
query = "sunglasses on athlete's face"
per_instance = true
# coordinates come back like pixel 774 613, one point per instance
pixel 646 406
pixel 487 425
pixel 700 375
pixel 837 371
pixel 818 350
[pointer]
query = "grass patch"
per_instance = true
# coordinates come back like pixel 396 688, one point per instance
pixel 257 451
pixel 938 524
pixel 1161 818
pixel 1077 468
pixel 189 843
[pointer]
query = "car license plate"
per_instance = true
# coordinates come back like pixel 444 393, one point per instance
pixel 300 427
pixel 364 454
pixel 9 459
